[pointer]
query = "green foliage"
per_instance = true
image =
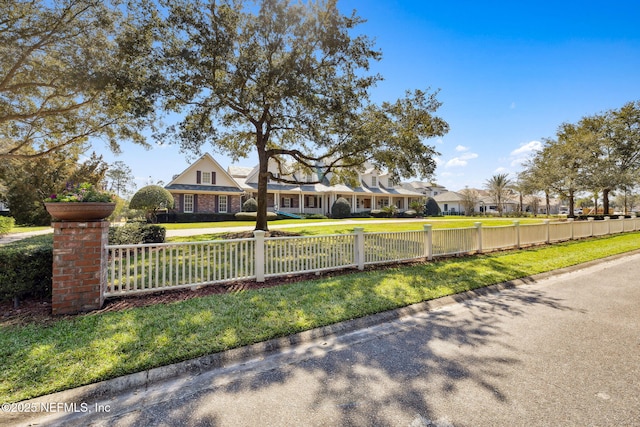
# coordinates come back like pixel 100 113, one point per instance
pixel 6 224
pixel 68 74
pixel 128 341
pixel 341 208
pixel 231 87
pixel 134 233
pixel 83 192
pixel 26 269
pixel 29 183
pixel 314 216
pixel 431 207
pixel 251 216
pixel 250 205
pixel 150 199
pixel 378 213
pixel 390 210
pixel 417 206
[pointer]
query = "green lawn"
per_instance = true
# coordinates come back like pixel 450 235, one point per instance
pixel 38 359
pixel 370 225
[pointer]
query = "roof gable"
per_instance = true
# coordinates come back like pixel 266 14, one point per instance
pixel 205 164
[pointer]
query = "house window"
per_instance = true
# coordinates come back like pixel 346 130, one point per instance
pixel 311 202
pixel 188 203
pixel 222 203
pixel 374 181
pixel 206 177
pixel 286 202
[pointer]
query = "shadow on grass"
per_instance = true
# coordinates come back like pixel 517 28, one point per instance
pixel 378 377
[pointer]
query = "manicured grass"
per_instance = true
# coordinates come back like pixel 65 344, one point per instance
pixel 25 229
pixel 341 227
pixel 37 359
pixel 407 225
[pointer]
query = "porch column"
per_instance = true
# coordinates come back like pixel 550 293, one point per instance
pixel 301 202
pixel 353 203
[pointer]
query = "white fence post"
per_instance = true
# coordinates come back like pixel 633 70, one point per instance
pixel 606 220
pixel 570 220
pixel 359 247
pixel 478 226
pixel 590 219
pixel 548 224
pixel 259 255
pixel 516 224
pixel 428 242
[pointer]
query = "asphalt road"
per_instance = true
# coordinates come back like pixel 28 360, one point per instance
pixel 564 351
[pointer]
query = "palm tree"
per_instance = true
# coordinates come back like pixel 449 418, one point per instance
pixel 498 186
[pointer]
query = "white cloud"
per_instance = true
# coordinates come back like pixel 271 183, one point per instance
pixel 527 148
pixel 461 161
pixel 501 170
pixel 462 148
pixel 456 162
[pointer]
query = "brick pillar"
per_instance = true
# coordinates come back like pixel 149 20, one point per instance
pixel 79 269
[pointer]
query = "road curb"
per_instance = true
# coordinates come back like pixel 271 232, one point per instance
pixel 201 364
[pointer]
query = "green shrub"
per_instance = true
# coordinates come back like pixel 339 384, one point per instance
pixel 26 270
pixel 377 213
pixel 251 205
pixel 178 217
pixel 341 208
pixel 391 210
pixel 251 216
pixel 150 199
pixel 6 224
pixel 431 208
pixel 134 233
pixel 314 216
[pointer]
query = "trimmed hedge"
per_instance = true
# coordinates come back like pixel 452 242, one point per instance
pixel 26 270
pixel 341 208
pixel 6 224
pixel 175 217
pixel 134 233
pixel 251 216
pixel 251 205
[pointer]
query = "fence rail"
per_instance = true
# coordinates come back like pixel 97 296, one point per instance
pixel 146 268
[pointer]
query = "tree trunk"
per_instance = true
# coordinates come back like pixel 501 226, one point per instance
pixel 571 204
pixel 548 202
pixel 605 200
pixel 263 180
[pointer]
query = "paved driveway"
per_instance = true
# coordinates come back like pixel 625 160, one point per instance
pixel 561 352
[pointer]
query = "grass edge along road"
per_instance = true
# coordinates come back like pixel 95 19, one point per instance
pixel 38 359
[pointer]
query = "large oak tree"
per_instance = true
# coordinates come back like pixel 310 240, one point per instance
pixel 291 81
pixel 71 70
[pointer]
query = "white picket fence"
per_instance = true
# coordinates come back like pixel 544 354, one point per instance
pixel 136 269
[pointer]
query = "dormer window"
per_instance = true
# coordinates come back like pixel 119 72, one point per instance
pixel 206 177
pixel 374 181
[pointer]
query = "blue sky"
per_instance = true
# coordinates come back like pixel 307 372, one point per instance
pixel 509 73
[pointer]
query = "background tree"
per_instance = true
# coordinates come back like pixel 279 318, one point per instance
pixel 70 70
pixel 120 179
pixel 470 198
pixel 288 80
pixel 150 199
pixel 498 188
pixel 29 183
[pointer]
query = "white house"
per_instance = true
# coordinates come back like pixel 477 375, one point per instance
pixel 206 187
